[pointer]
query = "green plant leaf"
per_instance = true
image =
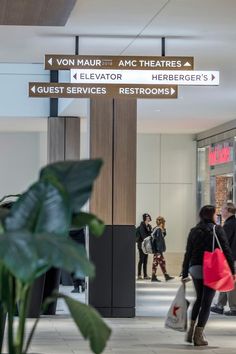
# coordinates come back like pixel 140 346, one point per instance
pixel 76 176
pixel 89 322
pixel 27 255
pixel 43 208
pixel 96 226
pixel 19 255
pixel 64 253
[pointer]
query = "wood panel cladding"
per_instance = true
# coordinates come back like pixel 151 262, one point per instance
pixel 125 137
pixel 63 138
pixel 72 138
pixel 56 141
pixel 35 12
pixel 101 146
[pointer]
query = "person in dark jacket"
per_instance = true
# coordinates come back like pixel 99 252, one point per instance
pixel 200 240
pixel 145 230
pixel 228 214
pixel 159 247
pixel 78 235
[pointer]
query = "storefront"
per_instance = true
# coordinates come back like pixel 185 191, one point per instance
pixel 216 170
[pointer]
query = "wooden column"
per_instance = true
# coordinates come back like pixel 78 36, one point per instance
pixel 113 138
pixel 63 144
pixel 63 139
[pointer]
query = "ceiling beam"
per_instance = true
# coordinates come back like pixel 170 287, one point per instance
pixel 35 12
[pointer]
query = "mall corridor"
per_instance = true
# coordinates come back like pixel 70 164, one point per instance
pixel 140 335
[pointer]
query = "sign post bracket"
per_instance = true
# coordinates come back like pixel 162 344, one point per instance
pixel 163 47
pixel 53 101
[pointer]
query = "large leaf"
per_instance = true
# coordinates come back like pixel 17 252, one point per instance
pixel 64 253
pixel 27 255
pixel 89 323
pixel 76 176
pixel 96 226
pixel 43 208
pixel 19 255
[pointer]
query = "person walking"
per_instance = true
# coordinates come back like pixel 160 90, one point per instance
pixel 78 235
pixel 228 214
pixel 159 247
pixel 200 240
pixel 144 230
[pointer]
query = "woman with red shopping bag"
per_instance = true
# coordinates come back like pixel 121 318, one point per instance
pixel 201 242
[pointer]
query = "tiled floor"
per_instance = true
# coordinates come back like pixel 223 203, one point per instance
pixel 141 335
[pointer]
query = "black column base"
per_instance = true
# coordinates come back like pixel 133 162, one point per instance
pixel 119 312
pixel 112 292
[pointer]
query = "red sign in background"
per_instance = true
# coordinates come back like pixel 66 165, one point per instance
pixel 220 154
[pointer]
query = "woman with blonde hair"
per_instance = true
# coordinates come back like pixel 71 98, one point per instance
pixel 159 247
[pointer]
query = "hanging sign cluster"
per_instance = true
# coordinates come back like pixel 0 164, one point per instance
pixel 121 76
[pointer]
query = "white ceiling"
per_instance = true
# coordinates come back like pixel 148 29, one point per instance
pixel 205 29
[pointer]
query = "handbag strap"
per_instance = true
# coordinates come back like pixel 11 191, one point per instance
pixel 215 237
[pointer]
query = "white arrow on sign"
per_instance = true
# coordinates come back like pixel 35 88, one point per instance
pixel 172 91
pixel 33 89
pixel 50 61
pixel 149 77
pixel 187 64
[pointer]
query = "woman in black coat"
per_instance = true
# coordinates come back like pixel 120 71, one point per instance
pixel 200 240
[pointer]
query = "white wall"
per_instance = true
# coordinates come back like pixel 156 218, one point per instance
pixel 166 184
pixel 14 80
pixel 21 156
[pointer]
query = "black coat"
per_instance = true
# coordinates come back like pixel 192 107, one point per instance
pixel 200 240
pixel 144 231
pixel 158 244
pixel 230 230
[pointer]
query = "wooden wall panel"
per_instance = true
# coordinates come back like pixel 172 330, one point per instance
pixel 56 139
pixel 125 136
pixel 35 12
pixel 101 133
pixel 72 138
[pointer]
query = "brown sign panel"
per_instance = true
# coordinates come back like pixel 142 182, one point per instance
pixel 60 90
pixel 67 62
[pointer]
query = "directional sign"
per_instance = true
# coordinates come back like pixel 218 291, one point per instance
pixel 150 77
pixel 67 62
pixel 64 90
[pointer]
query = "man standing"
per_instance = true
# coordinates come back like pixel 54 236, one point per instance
pixel 228 214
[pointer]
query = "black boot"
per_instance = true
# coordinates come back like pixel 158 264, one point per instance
pixel 154 278
pixel 76 290
pixel 168 277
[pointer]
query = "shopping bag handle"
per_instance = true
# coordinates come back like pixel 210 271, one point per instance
pixel 215 237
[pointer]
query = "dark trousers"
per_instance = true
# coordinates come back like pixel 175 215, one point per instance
pixel 143 258
pixel 79 237
pixel 202 306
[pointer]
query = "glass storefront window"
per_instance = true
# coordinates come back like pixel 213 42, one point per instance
pixel 203 182
pixel 216 174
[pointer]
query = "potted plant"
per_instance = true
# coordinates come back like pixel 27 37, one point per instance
pixel 34 238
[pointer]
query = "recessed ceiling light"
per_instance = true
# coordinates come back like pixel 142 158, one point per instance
pixel 157 110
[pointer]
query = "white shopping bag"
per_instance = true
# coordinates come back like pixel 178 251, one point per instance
pixel 177 315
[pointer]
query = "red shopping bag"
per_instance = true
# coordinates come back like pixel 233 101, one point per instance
pixel 216 271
